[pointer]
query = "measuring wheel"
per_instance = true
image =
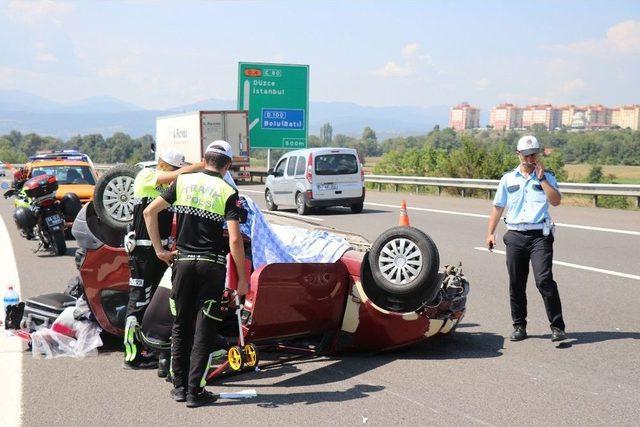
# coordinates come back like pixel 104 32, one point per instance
pixel 234 356
pixel 250 355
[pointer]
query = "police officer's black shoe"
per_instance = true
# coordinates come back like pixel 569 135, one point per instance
pixel 558 334
pixel 200 399
pixel 519 333
pixel 178 394
pixel 141 364
pixel 163 368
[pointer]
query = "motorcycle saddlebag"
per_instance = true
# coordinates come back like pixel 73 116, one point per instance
pixel 43 310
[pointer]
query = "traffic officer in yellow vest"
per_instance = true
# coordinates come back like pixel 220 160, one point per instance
pixel 527 192
pixel 202 201
pixel 146 268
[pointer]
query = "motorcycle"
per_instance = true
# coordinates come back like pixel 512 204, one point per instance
pixel 38 214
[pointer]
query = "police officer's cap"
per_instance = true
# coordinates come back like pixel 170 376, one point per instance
pixel 220 146
pixel 173 157
pixel 528 144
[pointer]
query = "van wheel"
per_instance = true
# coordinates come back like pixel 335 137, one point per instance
pixel 357 208
pixel 301 205
pixel 403 262
pixel 268 197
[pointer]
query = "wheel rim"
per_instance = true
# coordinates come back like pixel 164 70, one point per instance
pixel 252 357
pixel 235 358
pixel 400 261
pixel 269 198
pixel 118 198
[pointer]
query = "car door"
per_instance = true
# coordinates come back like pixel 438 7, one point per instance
pixel 290 181
pixel 279 185
pixel 337 176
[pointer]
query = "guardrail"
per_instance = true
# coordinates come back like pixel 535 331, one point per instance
pixel 491 185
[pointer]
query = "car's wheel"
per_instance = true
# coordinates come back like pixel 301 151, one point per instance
pixel 301 205
pixel 404 269
pixel 113 196
pixel 357 208
pixel 268 197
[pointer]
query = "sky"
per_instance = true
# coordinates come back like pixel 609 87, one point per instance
pixel 160 54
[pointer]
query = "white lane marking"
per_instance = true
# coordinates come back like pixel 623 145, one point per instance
pixel 313 218
pixel 559 224
pixel 10 347
pixel 607 230
pixel 292 215
pixel 578 266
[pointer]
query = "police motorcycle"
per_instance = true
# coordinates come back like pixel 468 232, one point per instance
pixel 38 214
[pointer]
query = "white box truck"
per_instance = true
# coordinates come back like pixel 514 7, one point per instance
pixel 191 132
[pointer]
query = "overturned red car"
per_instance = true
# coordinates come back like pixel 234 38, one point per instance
pixel 376 297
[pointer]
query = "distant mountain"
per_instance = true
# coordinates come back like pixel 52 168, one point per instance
pixel 106 115
pixel 99 104
pixel 15 100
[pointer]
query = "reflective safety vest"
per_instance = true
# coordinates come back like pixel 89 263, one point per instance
pixel 145 187
pixel 202 195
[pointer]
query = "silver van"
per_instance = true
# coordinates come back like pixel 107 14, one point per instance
pixel 316 177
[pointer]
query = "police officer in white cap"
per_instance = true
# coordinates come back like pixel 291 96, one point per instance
pixel 146 268
pixel 527 192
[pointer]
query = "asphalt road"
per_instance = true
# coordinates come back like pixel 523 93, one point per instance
pixel 474 377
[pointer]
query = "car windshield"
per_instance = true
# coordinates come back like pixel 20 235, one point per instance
pixel 336 164
pixel 67 174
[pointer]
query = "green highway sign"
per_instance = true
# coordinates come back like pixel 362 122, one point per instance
pixel 277 98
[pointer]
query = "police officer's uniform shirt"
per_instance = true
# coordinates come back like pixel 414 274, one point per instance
pixel 145 190
pixel 524 197
pixel 202 201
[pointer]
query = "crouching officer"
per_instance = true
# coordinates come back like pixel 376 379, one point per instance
pixel 146 268
pixel 202 202
pixel 527 191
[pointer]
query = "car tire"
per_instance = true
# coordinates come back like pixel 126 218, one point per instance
pixel 113 196
pixel 403 262
pixel 357 208
pixel 301 204
pixel 268 198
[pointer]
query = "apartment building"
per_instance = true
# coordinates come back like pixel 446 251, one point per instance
pixel 464 116
pixel 599 116
pixel 627 116
pixel 546 115
pixel 506 116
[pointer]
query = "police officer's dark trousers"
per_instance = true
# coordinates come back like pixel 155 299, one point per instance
pixel 146 272
pixel 522 247
pixel 198 285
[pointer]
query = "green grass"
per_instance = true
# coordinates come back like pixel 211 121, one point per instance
pixel 623 174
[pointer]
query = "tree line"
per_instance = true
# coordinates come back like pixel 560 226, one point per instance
pixel 441 152
pixel 16 147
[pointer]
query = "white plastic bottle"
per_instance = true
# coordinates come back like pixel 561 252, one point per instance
pixel 11 297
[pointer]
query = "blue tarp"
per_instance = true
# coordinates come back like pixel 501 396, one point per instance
pixel 271 243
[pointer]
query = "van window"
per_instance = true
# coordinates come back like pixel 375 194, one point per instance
pixel 280 168
pixel 291 166
pixel 301 166
pixel 336 164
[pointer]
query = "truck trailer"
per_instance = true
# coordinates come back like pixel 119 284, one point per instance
pixel 190 133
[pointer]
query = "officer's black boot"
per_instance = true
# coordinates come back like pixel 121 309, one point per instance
pixel 519 333
pixel 163 364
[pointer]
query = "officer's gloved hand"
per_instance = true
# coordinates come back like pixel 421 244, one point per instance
pixel 244 213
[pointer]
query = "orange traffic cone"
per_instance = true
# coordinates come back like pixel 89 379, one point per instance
pixel 404 217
